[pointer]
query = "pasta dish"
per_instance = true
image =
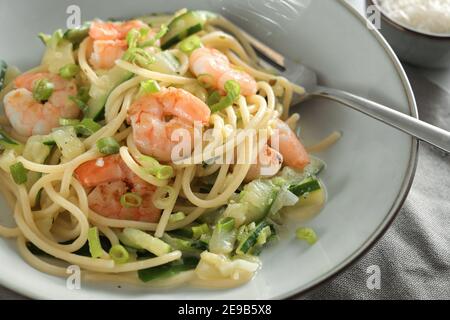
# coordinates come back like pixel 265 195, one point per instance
pixel 157 151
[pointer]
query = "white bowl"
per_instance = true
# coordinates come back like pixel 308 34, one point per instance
pixel 369 171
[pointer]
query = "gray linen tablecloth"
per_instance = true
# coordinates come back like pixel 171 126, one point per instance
pixel 414 254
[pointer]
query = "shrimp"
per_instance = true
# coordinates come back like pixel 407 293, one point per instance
pixel 106 52
pixel 269 163
pixel 290 152
pixel 111 179
pixel 113 30
pixel 30 117
pixel 148 116
pixel 293 151
pixel 109 42
pixel 214 68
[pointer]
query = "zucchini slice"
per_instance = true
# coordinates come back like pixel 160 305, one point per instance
pixel 308 185
pixel 168 270
pixel 251 240
pixel 96 104
pixel 185 25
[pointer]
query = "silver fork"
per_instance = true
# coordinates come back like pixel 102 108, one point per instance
pixel 306 77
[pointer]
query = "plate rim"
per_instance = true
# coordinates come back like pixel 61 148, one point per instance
pixel 406 185
pixel 387 221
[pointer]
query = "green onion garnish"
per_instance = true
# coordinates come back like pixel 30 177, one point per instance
pixel 87 127
pixel 19 173
pixel 119 254
pixel 45 38
pixel 226 224
pixel 198 231
pixel 175 217
pixel 52 40
pixel 233 90
pixel 163 30
pixel 307 234
pixel 68 122
pixel 153 167
pixel 130 200
pixel 69 71
pixel 42 90
pixel 149 86
pixel 83 94
pixel 190 44
pixel 95 248
pixel 213 98
pixel 108 145
pixel 133 38
pixel 139 57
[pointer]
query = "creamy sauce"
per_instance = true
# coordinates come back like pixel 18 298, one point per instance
pixel 428 16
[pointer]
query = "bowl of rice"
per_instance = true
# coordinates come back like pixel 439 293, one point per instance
pixel 418 30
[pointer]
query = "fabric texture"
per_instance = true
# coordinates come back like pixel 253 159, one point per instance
pixel 414 254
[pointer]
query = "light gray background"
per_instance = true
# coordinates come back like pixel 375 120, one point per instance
pixel 414 254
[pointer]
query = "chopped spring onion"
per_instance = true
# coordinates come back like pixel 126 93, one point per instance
pixel 95 247
pixel 19 173
pixel 139 57
pixel 68 122
pixel 175 217
pixel 198 231
pixel 149 86
pixel 119 254
pixel 213 98
pixel 130 200
pixel 190 44
pixel 45 38
pixel 307 234
pixel 69 71
pixel 52 40
pixel 162 31
pixel 133 38
pixel 80 103
pixel 233 90
pixel 108 145
pixel 81 99
pixel 226 224
pixel 42 90
pixel 153 167
pixel 87 127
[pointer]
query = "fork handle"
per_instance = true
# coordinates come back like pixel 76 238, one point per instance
pixel 416 128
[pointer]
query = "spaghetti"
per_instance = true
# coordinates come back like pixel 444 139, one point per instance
pixel 204 218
